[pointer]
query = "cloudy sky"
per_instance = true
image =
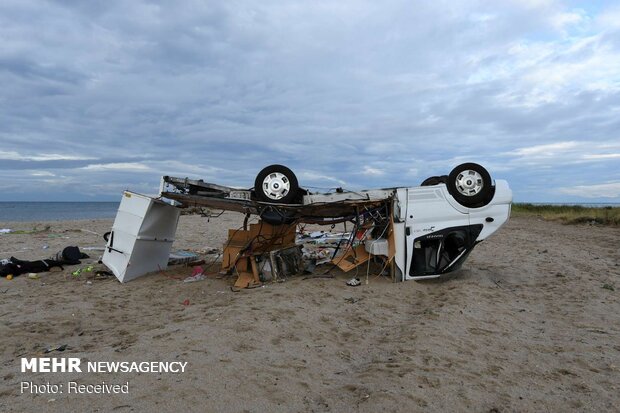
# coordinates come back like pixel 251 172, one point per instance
pixel 97 97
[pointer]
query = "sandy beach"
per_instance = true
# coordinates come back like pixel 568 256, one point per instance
pixel 531 323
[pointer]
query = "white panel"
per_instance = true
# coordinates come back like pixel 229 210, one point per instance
pixel 400 259
pixel 146 257
pixel 377 246
pixel 142 236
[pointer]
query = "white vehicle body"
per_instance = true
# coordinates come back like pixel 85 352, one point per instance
pixel 430 218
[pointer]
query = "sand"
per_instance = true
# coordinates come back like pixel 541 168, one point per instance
pixel 526 325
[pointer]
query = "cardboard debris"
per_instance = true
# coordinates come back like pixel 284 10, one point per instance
pixel 244 246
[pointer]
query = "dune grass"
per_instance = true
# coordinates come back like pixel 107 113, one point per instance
pixel 570 214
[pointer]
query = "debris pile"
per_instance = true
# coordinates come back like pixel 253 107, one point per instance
pixel 320 247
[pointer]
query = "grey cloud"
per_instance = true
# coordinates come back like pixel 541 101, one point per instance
pixel 222 89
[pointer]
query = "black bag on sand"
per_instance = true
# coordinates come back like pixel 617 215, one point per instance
pixel 70 256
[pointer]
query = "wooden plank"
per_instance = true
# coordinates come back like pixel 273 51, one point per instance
pixel 352 258
pixel 229 256
pixel 255 270
pixel 238 236
pixel 244 280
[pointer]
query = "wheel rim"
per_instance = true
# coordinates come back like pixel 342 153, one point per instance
pixel 276 185
pixel 469 183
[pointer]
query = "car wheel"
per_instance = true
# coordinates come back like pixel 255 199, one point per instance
pixel 435 180
pixel 276 184
pixel 471 185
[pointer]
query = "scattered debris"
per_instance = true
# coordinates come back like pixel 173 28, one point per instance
pixel 194 278
pixel 79 271
pixel 186 301
pixel 321 246
pixel 93 249
pixel 319 254
pixel 103 275
pixel 208 251
pixel 310 266
pixel 181 257
pixel 354 282
pixel 34 230
pixel 197 275
pixel 59 348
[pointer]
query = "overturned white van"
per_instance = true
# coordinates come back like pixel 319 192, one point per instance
pixel 423 231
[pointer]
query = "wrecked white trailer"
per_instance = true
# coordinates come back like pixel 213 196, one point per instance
pixel 422 232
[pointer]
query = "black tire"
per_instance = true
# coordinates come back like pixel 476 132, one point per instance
pixel 280 194
pixel 471 185
pixel 435 180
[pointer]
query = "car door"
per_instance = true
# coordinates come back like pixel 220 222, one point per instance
pixel 433 224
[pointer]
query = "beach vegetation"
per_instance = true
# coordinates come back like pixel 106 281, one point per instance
pixel 570 214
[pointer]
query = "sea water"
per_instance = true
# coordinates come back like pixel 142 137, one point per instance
pixel 56 211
